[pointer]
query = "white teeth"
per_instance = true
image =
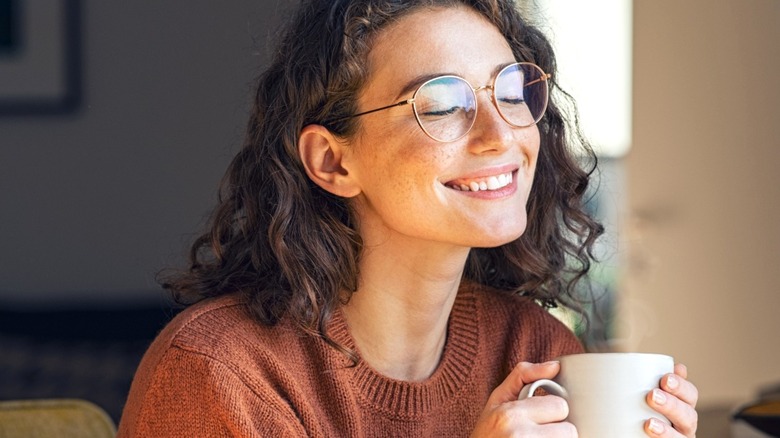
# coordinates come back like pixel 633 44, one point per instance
pixel 490 183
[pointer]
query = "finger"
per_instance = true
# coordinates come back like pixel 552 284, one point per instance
pixel 563 430
pixel 540 410
pixel 681 370
pixel 531 372
pixel 523 373
pixel 657 428
pixel 526 417
pixel 682 415
pixel 681 388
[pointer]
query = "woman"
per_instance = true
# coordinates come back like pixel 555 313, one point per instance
pixel 377 259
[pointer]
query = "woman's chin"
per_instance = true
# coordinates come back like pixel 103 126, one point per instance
pixel 498 236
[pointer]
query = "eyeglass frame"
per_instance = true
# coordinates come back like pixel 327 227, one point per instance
pixel 492 87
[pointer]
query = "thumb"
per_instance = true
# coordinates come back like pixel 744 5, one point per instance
pixel 521 375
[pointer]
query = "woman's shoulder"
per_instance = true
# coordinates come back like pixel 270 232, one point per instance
pixel 206 321
pixel 523 322
pixel 500 302
pixel 215 357
pixel 222 328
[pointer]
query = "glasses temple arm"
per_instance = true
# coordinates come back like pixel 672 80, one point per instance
pixel 403 102
pixel 544 77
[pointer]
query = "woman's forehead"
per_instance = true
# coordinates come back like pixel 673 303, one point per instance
pixel 455 40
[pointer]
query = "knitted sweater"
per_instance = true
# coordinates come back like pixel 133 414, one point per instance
pixel 216 372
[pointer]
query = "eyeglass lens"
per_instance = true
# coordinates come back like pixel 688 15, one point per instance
pixel 445 107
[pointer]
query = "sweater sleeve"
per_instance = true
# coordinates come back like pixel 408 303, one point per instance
pixel 189 394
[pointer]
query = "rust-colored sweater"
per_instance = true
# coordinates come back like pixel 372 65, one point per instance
pixel 216 372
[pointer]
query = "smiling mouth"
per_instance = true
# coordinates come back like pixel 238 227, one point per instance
pixel 494 182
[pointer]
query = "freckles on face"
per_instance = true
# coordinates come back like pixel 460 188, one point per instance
pixel 400 169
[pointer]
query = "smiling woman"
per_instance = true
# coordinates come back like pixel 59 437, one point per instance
pixel 405 200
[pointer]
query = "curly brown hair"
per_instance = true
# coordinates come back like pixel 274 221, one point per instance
pixel 293 248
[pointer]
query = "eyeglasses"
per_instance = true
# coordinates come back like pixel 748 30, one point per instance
pixel 446 106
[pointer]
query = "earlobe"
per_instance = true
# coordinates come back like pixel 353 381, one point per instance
pixel 322 155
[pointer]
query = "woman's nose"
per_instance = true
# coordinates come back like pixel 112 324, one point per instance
pixel 490 133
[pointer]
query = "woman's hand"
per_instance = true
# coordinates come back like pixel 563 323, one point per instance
pixel 506 416
pixel 676 400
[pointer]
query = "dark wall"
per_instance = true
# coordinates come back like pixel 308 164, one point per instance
pixel 94 202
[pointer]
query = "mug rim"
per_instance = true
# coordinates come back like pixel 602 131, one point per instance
pixel 615 353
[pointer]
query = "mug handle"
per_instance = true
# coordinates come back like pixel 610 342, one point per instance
pixel 549 386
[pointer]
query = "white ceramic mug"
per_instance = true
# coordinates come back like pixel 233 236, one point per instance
pixel 607 392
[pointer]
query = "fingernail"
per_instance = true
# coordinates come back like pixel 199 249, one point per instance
pixel 551 362
pixel 659 397
pixel 656 426
pixel 672 382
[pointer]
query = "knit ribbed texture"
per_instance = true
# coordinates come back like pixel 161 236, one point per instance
pixel 412 399
pixel 215 372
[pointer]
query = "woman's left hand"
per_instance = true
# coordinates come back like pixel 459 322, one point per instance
pixel 676 400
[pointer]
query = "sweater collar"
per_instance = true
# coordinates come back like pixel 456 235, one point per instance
pixel 412 399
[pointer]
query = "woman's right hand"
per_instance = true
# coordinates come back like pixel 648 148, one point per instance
pixel 506 416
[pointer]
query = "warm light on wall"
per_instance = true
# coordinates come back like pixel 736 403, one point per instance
pixel 593 41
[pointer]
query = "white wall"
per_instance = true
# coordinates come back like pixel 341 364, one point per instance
pixel 702 240
pixel 94 203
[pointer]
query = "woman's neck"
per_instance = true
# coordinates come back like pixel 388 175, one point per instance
pixel 398 316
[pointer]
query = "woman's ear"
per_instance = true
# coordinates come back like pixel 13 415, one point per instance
pixel 322 155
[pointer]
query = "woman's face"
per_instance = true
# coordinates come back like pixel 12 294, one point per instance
pixel 410 184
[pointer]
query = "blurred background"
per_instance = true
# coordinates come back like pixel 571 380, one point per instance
pixel 117 120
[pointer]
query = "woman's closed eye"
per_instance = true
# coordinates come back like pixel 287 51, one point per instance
pixel 512 100
pixel 440 112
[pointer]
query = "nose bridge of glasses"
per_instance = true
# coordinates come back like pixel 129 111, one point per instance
pixel 488 87
pixel 491 90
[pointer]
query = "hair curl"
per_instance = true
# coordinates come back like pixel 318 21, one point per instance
pixel 293 248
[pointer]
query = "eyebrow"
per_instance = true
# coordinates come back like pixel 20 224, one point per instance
pixel 417 81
